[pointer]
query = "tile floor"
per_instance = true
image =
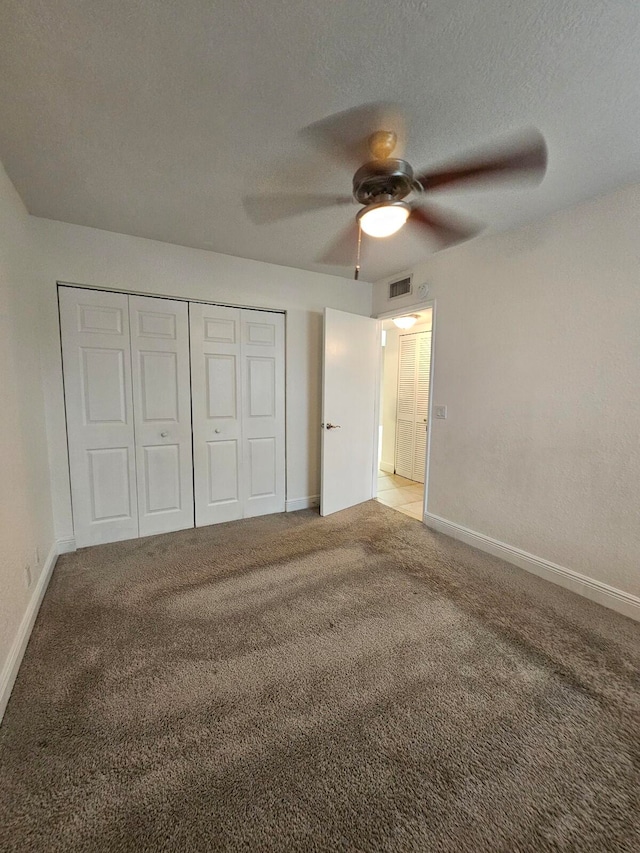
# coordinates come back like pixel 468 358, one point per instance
pixel 399 493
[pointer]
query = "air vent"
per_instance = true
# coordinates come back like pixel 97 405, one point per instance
pixel 400 287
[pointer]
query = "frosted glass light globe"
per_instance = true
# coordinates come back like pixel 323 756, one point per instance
pixel 405 322
pixel 383 220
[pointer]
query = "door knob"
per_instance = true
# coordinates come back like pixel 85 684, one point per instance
pixel 332 426
pixel 164 434
pixel 216 431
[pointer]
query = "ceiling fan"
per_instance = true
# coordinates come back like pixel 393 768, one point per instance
pixel 387 188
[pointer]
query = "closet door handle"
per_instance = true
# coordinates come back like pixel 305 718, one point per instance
pixel 217 431
pixel 164 434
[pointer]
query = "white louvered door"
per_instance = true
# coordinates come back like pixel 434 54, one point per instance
pixel 96 354
pixel 413 405
pixel 406 411
pixel 423 372
pixel 162 413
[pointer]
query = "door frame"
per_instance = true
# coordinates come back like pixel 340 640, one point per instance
pixel 401 312
pixel 60 283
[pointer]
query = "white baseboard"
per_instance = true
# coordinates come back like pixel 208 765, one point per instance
pixel 388 467
pixel 602 593
pixel 12 664
pixel 303 503
pixel 66 546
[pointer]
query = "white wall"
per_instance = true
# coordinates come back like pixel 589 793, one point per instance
pixel 537 356
pixel 390 392
pixel 71 253
pixel 25 504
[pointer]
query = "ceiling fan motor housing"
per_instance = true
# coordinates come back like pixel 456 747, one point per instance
pixel 389 180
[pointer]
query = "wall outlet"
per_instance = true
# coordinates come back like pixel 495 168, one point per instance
pixel 440 411
pixel 27 574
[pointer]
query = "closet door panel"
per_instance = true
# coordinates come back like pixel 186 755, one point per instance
pixel 224 458
pixel 263 412
pixel 405 426
pixel 262 454
pixel 222 386
pixel 423 370
pixel 161 474
pixel 109 489
pixel 216 401
pixel 420 453
pixel 413 405
pixel 405 445
pixel 96 356
pixel 162 408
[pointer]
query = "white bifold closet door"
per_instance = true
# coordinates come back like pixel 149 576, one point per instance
pixel 96 351
pixel 237 389
pixel 162 413
pixel 413 405
pixel 126 377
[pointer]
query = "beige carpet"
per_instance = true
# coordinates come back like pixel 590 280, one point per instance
pixel 293 683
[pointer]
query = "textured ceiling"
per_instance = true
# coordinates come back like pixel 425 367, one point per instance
pixel 155 117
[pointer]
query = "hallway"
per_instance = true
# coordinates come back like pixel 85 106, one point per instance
pixel 399 493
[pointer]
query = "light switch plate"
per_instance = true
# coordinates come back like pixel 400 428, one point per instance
pixel 440 411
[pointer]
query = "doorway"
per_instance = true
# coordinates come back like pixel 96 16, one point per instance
pixel 404 412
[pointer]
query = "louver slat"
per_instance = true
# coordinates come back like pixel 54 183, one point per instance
pixel 420 453
pixel 406 378
pixel 422 370
pixel 404 449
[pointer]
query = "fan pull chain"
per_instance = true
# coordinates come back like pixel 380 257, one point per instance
pixel 356 274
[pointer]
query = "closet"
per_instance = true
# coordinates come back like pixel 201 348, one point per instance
pixel 414 365
pixel 175 413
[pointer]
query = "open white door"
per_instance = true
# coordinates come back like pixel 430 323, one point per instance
pixel 350 385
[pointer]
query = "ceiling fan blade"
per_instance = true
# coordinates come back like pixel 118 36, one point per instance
pixel 524 158
pixel 446 227
pixel 270 208
pixel 344 136
pixel 343 250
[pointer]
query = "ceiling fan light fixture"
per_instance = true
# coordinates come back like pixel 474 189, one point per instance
pixel 406 322
pixel 383 219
